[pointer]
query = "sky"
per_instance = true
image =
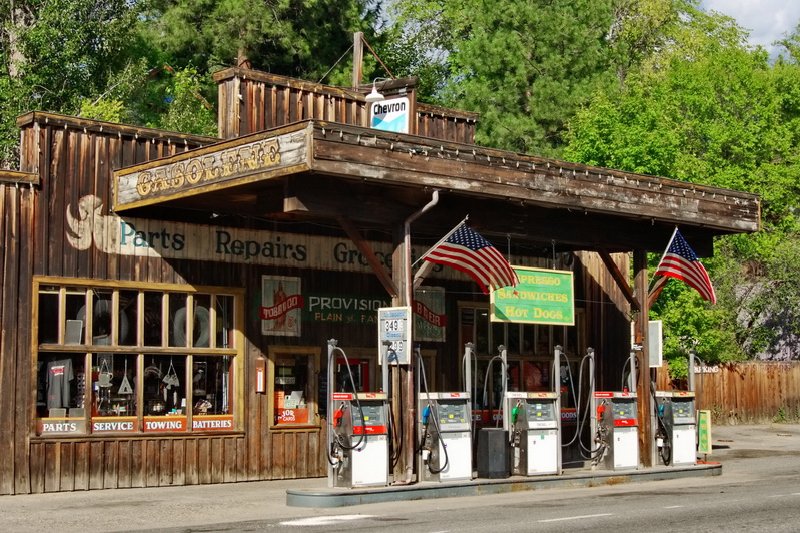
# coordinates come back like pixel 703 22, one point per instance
pixel 766 20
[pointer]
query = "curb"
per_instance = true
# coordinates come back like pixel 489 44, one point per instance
pixel 325 498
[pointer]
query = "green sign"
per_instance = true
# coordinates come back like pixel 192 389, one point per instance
pixel 541 297
pixel 704 432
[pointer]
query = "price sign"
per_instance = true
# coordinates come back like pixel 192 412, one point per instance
pixel 394 327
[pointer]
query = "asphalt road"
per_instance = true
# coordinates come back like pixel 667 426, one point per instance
pixel 759 490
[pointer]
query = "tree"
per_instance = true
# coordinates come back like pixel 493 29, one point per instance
pixel 55 52
pixel 300 38
pixel 528 67
pixel 708 109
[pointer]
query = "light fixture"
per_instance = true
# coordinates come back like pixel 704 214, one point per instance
pixel 374 95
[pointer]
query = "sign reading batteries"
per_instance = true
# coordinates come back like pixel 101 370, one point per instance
pixel 394 329
pixel 390 115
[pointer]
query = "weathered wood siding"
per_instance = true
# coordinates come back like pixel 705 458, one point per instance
pixel 17 201
pixel 74 158
pixel 251 101
pixel 752 392
pixel 607 326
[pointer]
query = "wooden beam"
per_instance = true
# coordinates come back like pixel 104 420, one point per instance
pixel 620 279
pixel 644 399
pixel 358 58
pixel 369 254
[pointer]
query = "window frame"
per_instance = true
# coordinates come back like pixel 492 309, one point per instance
pixel 275 352
pixel 89 289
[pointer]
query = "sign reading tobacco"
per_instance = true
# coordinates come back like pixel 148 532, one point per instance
pixel 222 164
pixel 541 297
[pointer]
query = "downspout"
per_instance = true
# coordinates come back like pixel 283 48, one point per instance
pixel 410 414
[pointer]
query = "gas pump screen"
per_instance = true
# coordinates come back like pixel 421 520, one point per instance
pixel 624 410
pixel 373 414
pixel 540 412
pixel 453 412
pixel 683 410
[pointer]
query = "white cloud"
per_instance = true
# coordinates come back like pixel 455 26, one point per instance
pixel 766 20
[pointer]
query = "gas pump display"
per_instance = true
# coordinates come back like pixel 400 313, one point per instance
pixel 360 444
pixel 445 436
pixel 677 427
pixel 534 425
pixel 618 429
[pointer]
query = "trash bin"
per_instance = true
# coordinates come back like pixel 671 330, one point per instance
pixel 493 453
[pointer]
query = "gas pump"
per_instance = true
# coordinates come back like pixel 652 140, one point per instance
pixel 618 429
pixel 361 440
pixel 534 427
pixel 358 432
pixel 677 427
pixel 445 436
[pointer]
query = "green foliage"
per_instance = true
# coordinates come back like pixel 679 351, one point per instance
pixel 708 109
pixel 301 38
pixel 528 67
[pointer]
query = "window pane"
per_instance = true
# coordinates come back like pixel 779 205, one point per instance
pixel 498 337
pixel 513 338
pixel 212 386
pixel 75 310
pixel 482 331
pixel 61 385
pixel 164 385
pixel 291 389
pixel 152 319
pixel 128 317
pixel 224 306
pixel 178 326
pixel 48 315
pixel 200 325
pixel 113 385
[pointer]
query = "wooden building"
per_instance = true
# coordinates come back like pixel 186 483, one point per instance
pixel 167 298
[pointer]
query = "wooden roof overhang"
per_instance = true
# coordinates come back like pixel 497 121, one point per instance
pixel 322 170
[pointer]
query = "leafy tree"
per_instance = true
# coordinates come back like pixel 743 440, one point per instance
pixel 528 67
pixel 301 38
pixel 708 109
pixel 54 53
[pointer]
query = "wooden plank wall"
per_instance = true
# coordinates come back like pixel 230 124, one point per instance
pixel 751 392
pixel 16 222
pixel 252 101
pixel 607 326
pixel 75 158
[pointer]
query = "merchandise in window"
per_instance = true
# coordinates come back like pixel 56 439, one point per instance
pixel 125 360
pixel 294 386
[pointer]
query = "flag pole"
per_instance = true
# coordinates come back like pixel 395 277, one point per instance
pixel 440 241
pixel 669 243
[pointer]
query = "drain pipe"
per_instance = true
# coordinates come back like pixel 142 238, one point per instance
pixel 410 415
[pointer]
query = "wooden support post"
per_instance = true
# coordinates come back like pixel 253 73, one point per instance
pixel 643 374
pixel 358 58
pixel 403 401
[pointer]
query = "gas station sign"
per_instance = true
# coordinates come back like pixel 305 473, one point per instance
pixel 541 297
pixel 392 114
pixel 394 327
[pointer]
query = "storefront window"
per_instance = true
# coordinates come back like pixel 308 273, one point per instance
pixel 103 365
pixel 294 388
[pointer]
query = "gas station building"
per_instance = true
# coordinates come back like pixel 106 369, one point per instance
pixel 169 299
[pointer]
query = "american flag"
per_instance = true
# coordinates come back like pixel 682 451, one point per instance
pixel 466 250
pixel 680 262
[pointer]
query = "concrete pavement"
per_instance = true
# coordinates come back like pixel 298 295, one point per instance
pixel 196 506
